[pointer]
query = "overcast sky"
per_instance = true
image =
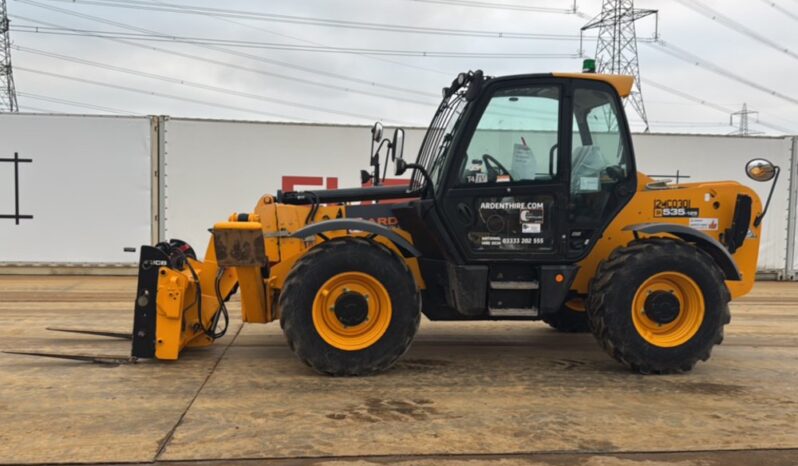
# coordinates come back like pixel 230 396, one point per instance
pixel 258 84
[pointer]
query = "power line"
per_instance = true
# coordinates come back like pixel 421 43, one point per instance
pixel 157 94
pixel 196 85
pixel 73 103
pixel 307 41
pixel 293 79
pixel 738 27
pixel 500 6
pixel 196 40
pixel 724 71
pixel 712 105
pixel 781 9
pixel 687 96
pixel 313 21
pixel 30 108
pixel 687 124
pixel 231 52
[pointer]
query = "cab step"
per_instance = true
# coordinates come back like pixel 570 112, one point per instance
pixel 513 311
pixel 515 285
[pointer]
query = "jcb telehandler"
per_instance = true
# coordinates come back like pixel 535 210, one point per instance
pixel 524 203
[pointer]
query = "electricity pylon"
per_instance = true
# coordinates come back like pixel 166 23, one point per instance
pixel 616 51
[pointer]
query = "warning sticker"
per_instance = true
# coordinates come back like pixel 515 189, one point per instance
pixel 588 184
pixel 705 224
pixel 530 228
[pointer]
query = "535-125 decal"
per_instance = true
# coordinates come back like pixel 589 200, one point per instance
pixel 674 208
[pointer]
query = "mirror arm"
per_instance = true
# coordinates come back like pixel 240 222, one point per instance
pixel 429 185
pixel 375 160
pixel 758 219
pixel 387 156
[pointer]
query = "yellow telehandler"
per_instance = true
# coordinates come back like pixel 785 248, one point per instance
pixel 524 204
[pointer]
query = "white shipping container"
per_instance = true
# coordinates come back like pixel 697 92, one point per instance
pixel 88 188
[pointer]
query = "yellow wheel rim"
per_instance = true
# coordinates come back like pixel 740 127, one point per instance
pixel 363 334
pixel 690 311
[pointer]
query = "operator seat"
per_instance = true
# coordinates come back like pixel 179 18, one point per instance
pixel 586 162
pixel 588 194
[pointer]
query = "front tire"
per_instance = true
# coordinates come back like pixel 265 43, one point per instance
pixel 658 305
pixel 349 306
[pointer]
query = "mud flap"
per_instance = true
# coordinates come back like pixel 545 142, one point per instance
pixel 555 283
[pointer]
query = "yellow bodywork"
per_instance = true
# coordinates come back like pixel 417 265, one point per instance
pixel 177 320
pixel 715 200
pixel 257 252
pixel 279 220
pixel 178 323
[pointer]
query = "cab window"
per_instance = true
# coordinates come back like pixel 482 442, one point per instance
pixel 516 138
pixel 599 155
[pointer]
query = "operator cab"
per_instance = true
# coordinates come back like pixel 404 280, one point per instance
pixel 520 177
pixel 525 168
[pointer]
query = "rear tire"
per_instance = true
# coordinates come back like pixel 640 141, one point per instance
pixel 568 320
pixel 349 306
pixel 658 305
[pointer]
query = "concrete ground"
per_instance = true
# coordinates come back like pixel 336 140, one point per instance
pixel 466 393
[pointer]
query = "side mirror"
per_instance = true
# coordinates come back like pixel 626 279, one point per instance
pixel 365 177
pixel 397 150
pixel 760 170
pixel 398 144
pixel 376 132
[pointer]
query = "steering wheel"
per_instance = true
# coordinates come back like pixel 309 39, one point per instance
pixel 615 173
pixel 495 168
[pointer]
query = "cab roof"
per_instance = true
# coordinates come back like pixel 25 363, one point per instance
pixel 621 83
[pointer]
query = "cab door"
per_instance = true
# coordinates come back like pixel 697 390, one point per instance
pixel 506 193
pixel 603 176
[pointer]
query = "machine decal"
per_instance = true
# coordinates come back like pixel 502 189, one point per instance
pixel 533 213
pixel 381 214
pixel 520 223
pixel 477 178
pixel 674 208
pixel 704 224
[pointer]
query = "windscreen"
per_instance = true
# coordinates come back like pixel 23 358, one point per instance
pixel 435 147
